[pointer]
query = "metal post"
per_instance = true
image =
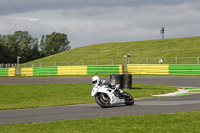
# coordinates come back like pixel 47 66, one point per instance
pixel 126 63
pixel 18 70
pixel 112 61
pixel 197 59
pixel 18 60
pixel 176 60
pixel 128 60
pixel 82 63
pixel 97 62
pixel 40 64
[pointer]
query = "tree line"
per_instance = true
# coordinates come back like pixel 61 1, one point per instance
pixel 22 44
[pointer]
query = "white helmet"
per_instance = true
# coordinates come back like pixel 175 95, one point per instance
pixel 95 79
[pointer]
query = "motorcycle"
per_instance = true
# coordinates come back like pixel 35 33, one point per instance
pixel 106 96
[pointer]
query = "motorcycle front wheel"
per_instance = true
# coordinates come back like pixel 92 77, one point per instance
pixel 129 100
pixel 103 100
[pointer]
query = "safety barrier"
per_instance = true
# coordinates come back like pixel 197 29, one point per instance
pixel 105 69
pixel 147 69
pixel 72 70
pixel 26 71
pixel 44 71
pixel 184 69
pixel 163 69
pixel 36 71
pixel 7 72
pixel 160 69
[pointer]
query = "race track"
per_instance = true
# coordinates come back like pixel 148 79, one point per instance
pixel 82 111
pixel 193 81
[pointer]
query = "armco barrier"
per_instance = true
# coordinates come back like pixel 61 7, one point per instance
pixel 44 71
pixel 184 69
pixel 72 70
pixel 3 72
pixel 104 69
pixel 7 72
pixel 147 69
pixel 26 71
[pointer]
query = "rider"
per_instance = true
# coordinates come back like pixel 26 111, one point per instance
pixel 97 81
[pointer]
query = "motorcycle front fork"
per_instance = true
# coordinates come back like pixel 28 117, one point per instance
pixel 104 98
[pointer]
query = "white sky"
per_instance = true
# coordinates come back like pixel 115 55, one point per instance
pixel 97 21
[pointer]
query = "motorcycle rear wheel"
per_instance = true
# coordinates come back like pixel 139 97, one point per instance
pixel 129 100
pixel 103 100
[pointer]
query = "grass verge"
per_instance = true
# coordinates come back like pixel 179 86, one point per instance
pixel 140 50
pixel 43 95
pixel 186 122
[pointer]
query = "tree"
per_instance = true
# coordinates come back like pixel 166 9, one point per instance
pixel 54 43
pixel 1 49
pixel 20 44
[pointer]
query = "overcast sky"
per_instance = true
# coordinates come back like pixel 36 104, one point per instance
pixel 97 21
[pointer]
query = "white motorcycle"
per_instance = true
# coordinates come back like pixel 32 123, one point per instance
pixel 106 96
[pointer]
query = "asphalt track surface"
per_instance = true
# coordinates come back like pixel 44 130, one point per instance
pixel 83 111
pixel 186 81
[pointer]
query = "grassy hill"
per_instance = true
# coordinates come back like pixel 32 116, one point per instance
pixel 167 49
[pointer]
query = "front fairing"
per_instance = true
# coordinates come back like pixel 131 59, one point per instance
pixel 101 89
pixel 94 90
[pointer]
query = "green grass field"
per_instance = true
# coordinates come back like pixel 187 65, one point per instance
pixel 29 96
pixel 186 122
pixel 140 50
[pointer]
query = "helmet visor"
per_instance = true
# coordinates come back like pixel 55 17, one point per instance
pixel 94 82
